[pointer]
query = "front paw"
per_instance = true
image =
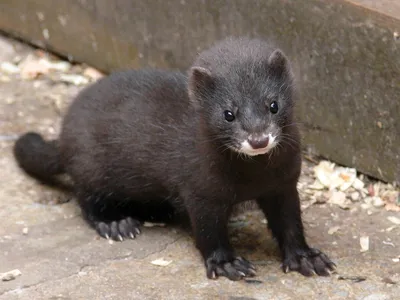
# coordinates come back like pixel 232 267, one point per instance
pixel 234 268
pixel 308 262
pixel 119 230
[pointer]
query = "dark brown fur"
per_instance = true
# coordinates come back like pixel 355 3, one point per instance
pixel 151 144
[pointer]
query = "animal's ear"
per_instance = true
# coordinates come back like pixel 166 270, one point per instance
pixel 278 63
pixel 201 82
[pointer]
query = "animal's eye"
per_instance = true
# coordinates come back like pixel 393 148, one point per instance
pixel 273 108
pixel 229 116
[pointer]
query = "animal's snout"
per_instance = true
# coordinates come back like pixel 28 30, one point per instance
pixel 258 142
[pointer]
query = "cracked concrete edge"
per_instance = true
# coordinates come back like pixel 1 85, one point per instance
pixel 69 254
pixel 82 267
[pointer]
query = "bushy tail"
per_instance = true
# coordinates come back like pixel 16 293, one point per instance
pixel 39 158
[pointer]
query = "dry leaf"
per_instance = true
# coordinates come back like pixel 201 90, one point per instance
pixel 339 198
pixel 333 177
pixel 333 230
pixel 345 177
pixel 390 228
pixel 377 202
pixel 392 207
pixel 161 262
pixel 11 275
pixel 9 68
pixel 92 73
pixel 74 79
pixel 355 196
pixel 323 171
pixel 358 184
pixel 32 69
pixel 61 66
pixel 364 243
pixel 394 220
pixel 317 185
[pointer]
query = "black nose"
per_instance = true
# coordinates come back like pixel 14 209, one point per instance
pixel 258 142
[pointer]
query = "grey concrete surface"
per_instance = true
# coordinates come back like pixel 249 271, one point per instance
pixel 61 258
pixel 345 55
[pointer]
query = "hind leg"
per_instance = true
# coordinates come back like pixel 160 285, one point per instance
pixel 108 215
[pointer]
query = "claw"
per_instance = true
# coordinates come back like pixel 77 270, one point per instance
pixel 213 275
pixel 309 263
pixel 252 271
pixel 239 258
pixel 234 269
pixel 286 269
pixel 313 272
pixel 241 274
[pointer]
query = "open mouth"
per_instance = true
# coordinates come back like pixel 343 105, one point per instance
pixel 254 152
pixel 258 147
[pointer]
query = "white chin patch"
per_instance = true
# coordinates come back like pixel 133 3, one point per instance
pixel 249 150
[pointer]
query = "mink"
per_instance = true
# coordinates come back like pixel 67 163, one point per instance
pixel 153 144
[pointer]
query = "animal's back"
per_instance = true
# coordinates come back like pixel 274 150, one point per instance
pixel 119 131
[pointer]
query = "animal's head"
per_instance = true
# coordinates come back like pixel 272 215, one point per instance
pixel 244 91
